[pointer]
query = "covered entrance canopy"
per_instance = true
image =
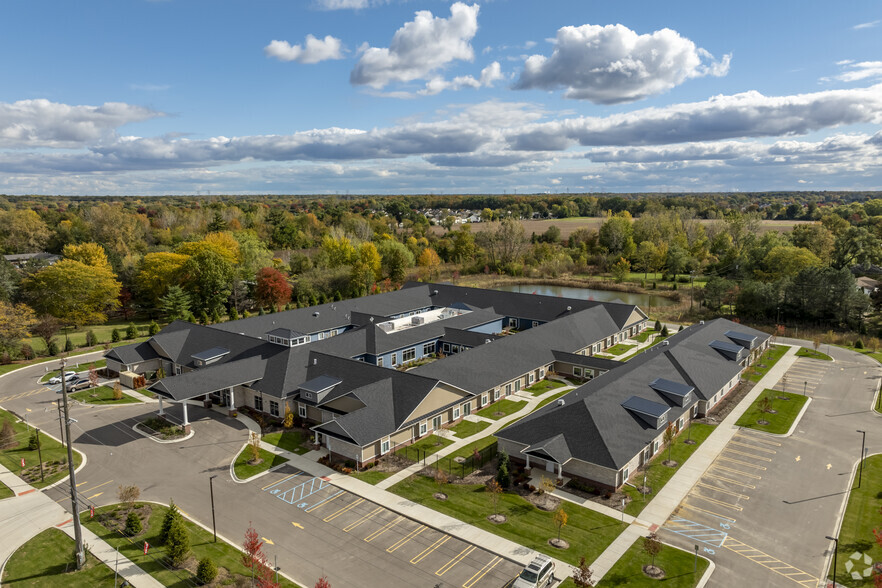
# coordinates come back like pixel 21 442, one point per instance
pixel 553 451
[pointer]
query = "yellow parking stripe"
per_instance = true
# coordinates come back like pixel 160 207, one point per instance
pixel 382 530
pixel 739 462
pixel 769 562
pixel 710 512
pixel 756 439
pixel 98 486
pixel 407 538
pixel 363 519
pixel 458 558
pixel 425 553
pixel 754 447
pixel 482 572
pixel 729 492
pixel 342 510
pixel 748 454
pixel 324 502
pixel 729 480
pixel 724 468
pixel 715 501
pixel 280 481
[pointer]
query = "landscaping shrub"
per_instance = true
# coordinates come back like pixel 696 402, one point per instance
pixel 859 344
pixel 27 351
pixel 203 318
pixel 114 336
pixel 131 331
pixel 133 524
pixel 233 314
pixel 664 331
pixel 153 328
pixel 215 316
pixel 177 545
pixel 68 345
pixel 91 339
pixel 503 477
pixel 657 325
pixel 52 348
pixel 206 572
pixel 32 442
pixel 5 358
pixel 170 515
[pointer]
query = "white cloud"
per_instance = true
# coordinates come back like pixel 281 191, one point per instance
pixel 41 123
pixel 342 4
pixel 866 25
pixel 857 71
pixel 312 51
pixel 490 74
pixel 419 48
pixel 613 64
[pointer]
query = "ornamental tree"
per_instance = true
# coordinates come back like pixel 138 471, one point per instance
pixel 272 288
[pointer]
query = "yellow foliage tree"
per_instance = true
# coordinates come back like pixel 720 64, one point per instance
pixel 15 320
pixel 429 264
pixel 368 255
pixel 73 292
pixel 221 243
pixel 158 271
pixel 91 254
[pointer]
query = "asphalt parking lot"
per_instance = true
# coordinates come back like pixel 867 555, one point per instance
pixel 315 503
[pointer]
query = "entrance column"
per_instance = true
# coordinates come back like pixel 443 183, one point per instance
pixel 161 412
pixel 186 424
pixel 528 462
pixel 232 402
pixel 560 471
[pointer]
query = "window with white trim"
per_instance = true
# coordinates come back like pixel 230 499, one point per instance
pixel 508 389
pixel 541 373
pixel 577 371
pixel 274 408
pixel 301 410
pixel 424 427
pixel 484 399
pixel 436 422
pixel 654 447
pixel 429 348
pixel 680 423
pixel 625 473
pixel 384 447
pixel 513 322
pixel 446 348
pixel 496 394
pixel 177 370
pixel 258 403
pixel 379 361
pixel 321 336
pixel 408 355
pixel 517 384
pixel 455 412
pixel 394 361
pixel 532 377
pixel 694 410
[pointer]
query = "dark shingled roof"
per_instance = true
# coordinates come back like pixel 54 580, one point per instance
pixel 210 379
pixel 133 353
pixel 589 361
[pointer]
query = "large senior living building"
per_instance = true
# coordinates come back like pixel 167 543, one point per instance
pixel 355 369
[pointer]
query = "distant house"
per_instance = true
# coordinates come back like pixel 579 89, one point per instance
pixel 867 285
pixel 19 260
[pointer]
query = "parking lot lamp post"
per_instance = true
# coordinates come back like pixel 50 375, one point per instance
pixel 695 566
pixel 804 386
pixel 861 466
pixel 835 549
pixel 211 491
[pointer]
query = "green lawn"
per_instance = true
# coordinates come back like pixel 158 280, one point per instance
pixel 779 422
pixel 642 337
pixel 101 395
pixel 75 367
pixel 465 428
pixel 543 386
pixel 505 407
pixel 768 359
pixel 201 545
pixel 10 367
pixel 658 474
pixel 288 440
pixel 619 348
pixel 102 333
pixel 54 455
pixel 5 492
pixel 424 447
pixel 811 353
pixel 245 471
pixel 145 392
pixel 677 564
pixel 45 560
pixel 371 476
pixel 861 517
pixel 587 531
pixel 655 342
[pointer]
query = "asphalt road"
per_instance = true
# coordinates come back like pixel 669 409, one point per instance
pixel 327 532
pixel 764 507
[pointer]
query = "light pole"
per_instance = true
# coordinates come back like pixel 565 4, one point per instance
pixel 695 567
pixel 691 288
pixel 861 466
pixel 78 532
pixel 211 491
pixel 835 549
pixel 804 386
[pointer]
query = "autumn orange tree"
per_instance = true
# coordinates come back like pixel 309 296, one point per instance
pixel 272 288
pixel 255 559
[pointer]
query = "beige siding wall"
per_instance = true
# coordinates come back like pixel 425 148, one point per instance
pixel 441 395
pixel 345 404
pixel 592 472
pixel 339 447
pixel 404 436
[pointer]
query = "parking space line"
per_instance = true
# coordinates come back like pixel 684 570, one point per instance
pixel 383 529
pixel 754 447
pixel 729 480
pixel 482 572
pixel 267 487
pixel 425 552
pixel 757 439
pixel 346 508
pixel 710 512
pixel 729 492
pixel 363 519
pixel 747 454
pixel 456 559
pixel 724 468
pixel 325 501
pixel 770 562
pixel 744 463
pixel 407 538
pixel 720 502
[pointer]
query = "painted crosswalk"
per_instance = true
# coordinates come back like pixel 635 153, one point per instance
pixel 696 531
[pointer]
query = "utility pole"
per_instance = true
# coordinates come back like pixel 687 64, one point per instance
pixel 691 288
pixel 60 423
pixel 78 532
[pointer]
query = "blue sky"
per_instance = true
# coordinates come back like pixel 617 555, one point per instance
pixel 404 96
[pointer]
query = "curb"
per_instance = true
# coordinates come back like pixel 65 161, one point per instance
pixel 147 435
pixel 792 427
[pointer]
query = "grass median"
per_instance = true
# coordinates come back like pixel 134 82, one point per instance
pixel 424 448
pixel 658 474
pixel 765 362
pixel 5 491
pixel 101 395
pixel 46 560
pixel 786 406
pixel 465 429
pixel 267 460
pixel 587 531
pixel 373 477
pixel 543 386
pixel 861 518
pixel 292 441
pixel 812 354
pixel 501 409
pixel 54 455
pixel 679 566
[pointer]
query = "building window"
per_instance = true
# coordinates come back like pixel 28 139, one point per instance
pixel 467 408
pixel 680 424
pixel 394 361
pixel 455 412
pixel 513 322
pixel 532 377
pixel 517 384
pixel 577 371
pixel 258 403
pixel 379 361
pixel 321 336
pixel 384 447
pixel 177 370
pixel 408 355
pixel 301 410
pixel 274 408
pixel 484 399
pixel 428 348
pixel 496 394
pixel 423 428
pixel 654 447
pixel 436 423
pixel 508 389
pixel 694 410
pixel 541 373
pixel 625 473
pixel 446 348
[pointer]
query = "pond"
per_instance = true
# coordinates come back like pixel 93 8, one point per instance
pixel 644 301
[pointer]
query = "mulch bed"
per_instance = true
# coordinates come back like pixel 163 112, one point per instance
pixel 654 572
pixel 727 404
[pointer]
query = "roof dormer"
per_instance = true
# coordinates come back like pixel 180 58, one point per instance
pixel 652 413
pixel 209 356
pixel 677 392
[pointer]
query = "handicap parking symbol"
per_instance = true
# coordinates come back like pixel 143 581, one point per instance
pixel 302 505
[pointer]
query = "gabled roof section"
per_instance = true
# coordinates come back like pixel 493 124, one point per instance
pixel 286 333
pixel 727 348
pixel 555 448
pixel 134 353
pixel 746 341
pixel 210 379
pixel 654 413
pixel 320 384
pixel 676 391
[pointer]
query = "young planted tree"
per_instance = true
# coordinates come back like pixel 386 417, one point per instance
pixel 582 574
pixel 7 436
pixel 494 491
pixel 668 439
pixel 128 495
pixel 177 545
pixel 503 475
pixel 652 546
pixel 323 583
pixel 560 519
pixel 170 515
pixel 117 391
pixel 206 571
pixel 133 524
pixel 93 376
pixel 765 404
pixel 256 560
pixel 254 446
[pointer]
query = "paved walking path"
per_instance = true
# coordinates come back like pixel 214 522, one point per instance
pixel 670 497
pixel 30 511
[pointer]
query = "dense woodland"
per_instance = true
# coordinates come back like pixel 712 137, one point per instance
pixel 212 258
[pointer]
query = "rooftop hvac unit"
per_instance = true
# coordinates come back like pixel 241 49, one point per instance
pixel 418 320
pixel 387 327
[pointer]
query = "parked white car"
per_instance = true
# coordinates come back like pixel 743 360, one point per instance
pixel 68 376
pixel 538 574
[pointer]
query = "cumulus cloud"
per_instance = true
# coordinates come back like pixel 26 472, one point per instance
pixel 41 123
pixel 342 4
pixel 312 51
pixel 612 64
pixel 419 48
pixel 856 71
pixel 490 74
pixel 749 114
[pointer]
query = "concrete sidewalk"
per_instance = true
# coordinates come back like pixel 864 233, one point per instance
pixel 30 512
pixel 670 497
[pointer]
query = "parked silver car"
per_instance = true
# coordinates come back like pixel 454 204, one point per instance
pixel 67 376
pixel 538 574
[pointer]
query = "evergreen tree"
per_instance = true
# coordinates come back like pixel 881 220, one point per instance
pixel 114 336
pixel 177 545
pixel 91 339
pixel 233 314
pixel 53 347
pixel 133 524
pixel 170 515
pixel 206 572
pixel 153 329
pixel 503 475
pixel 175 304
pixel 131 331
pixel 68 344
